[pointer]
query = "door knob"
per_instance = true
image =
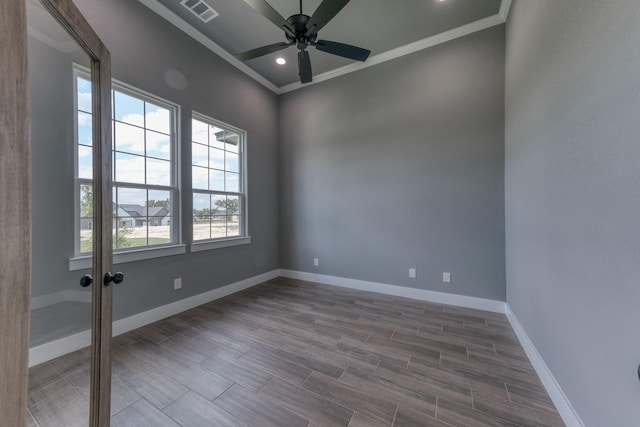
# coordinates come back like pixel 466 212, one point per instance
pixel 115 278
pixel 86 280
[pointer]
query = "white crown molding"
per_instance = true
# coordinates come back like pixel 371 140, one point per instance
pixel 167 14
pixel 482 24
pixel 560 400
pixel 505 6
pixel 64 47
pixel 479 25
pixel 51 350
pixel 399 291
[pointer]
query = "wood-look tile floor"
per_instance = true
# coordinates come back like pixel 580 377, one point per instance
pixel 291 353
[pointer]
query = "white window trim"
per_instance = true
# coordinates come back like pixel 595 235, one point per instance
pixel 224 242
pixel 82 261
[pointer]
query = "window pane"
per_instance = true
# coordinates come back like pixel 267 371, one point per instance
pixel 218 226
pixel 84 95
pixel 219 221
pixel 201 216
pixel 232 183
pixel 158 212
pixel 158 118
pixel 131 218
pixel 161 200
pixel 216 159
pixel 218 204
pixel 232 163
pixel 158 172
pixel 233 226
pixel 158 145
pixel 86 218
pixel 128 109
pixel 122 236
pixel 216 137
pixel 134 238
pixel 216 180
pixel 129 168
pixel 232 205
pixel 199 155
pixel 199 132
pixel 232 141
pixel 129 139
pixel 84 129
pixel 201 204
pixel 85 162
pixel 133 199
pixel 159 230
pixel 199 178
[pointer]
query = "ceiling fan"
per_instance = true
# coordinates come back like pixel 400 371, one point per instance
pixel 302 31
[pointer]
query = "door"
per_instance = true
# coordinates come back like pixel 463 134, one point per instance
pixel 16 215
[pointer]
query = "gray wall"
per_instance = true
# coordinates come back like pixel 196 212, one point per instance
pixel 52 162
pixel 572 196
pixel 398 166
pixel 144 47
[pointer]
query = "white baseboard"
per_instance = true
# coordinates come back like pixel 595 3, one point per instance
pixel 563 405
pixel 53 349
pixel 138 320
pixel 60 296
pixel 399 291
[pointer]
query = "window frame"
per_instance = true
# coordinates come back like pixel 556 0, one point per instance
pixel 244 237
pixel 81 260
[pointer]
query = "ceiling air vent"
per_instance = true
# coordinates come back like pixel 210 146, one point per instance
pixel 200 9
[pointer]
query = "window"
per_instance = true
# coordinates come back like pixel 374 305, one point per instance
pixel 218 183
pixel 145 188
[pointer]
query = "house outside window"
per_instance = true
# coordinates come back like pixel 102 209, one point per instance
pixel 218 166
pixel 145 179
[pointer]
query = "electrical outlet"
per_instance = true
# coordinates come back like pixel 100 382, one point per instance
pixel 316 262
pixel 177 283
pixel 446 277
pixel 412 273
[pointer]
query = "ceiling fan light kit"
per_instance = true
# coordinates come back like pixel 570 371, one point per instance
pixel 301 31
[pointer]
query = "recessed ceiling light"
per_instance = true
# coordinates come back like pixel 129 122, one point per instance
pixel 280 61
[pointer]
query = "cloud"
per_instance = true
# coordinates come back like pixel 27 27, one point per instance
pixel 84 101
pixel 130 134
pixel 131 169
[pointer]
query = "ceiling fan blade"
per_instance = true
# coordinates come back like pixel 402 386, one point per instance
pixel 265 9
pixel 323 14
pixel 344 50
pixel 304 67
pixel 261 51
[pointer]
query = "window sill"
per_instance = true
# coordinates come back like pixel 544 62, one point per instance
pixel 218 244
pixel 83 262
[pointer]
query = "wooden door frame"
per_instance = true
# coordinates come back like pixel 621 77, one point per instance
pixel 15 213
pixel 15 209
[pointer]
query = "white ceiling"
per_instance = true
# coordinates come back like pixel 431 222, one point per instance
pixel 388 28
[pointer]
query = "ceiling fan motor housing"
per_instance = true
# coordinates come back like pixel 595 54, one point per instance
pixel 299 25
